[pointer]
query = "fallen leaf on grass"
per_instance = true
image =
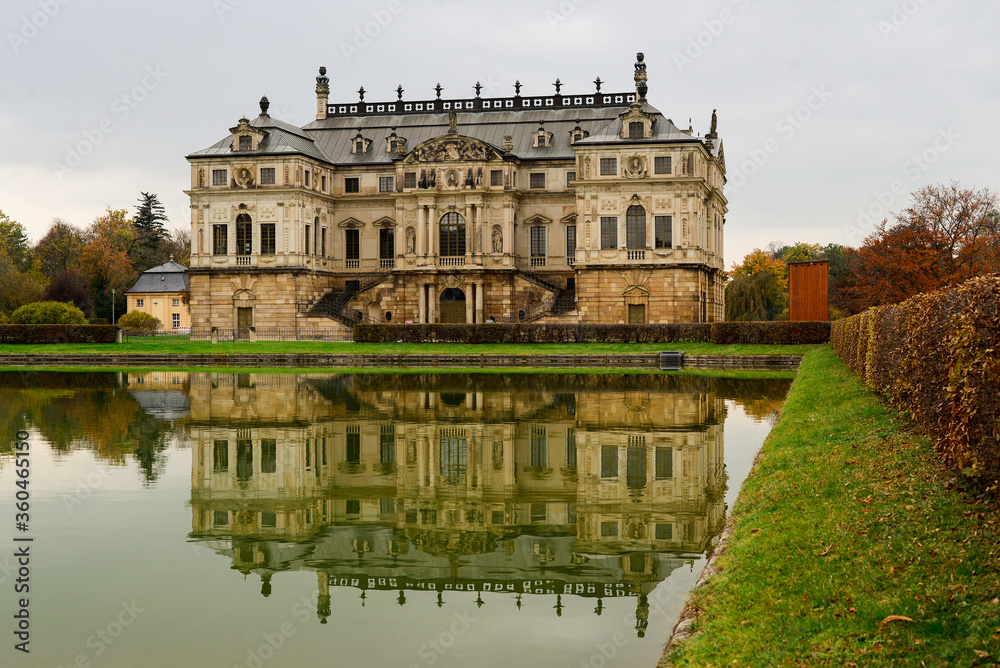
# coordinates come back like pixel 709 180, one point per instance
pixel 894 618
pixel 829 548
pixel 753 531
pixel 981 654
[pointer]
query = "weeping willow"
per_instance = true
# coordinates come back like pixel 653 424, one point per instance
pixel 754 298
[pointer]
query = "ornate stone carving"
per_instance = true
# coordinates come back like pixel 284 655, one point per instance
pixel 243 175
pixel 220 214
pixel 497 239
pixel 411 241
pixel 268 213
pixel 635 167
pixel 453 280
pixel 452 149
pixel 609 205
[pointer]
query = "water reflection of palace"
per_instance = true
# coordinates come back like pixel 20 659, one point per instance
pixel 518 484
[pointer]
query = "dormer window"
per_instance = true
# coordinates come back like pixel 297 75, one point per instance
pixel 246 143
pixel 578 133
pixel 636 130
pixel 395 143
pixel 543 139
pixel 637 124
pixel 360 144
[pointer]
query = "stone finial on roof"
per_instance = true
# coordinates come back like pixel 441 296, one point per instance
pixel 322 83
pixel 641 78
pixel 439 88
pixel 361 93
pixel 598 83
pixel 399 93
pixel 265 104
pixel 517 88
pixel 479 88
pixel 558 84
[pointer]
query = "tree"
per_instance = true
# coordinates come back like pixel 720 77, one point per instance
pixel 800 252
pixel 151 241
pixel 14 243
pixel 17 288
pixel 180 246
pixel 106 260
pixel 758 289
pixel 70 286
pixel 947 236
pixel 61 249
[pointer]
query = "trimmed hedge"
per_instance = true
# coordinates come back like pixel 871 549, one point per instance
pixel 58 334
pixel 735 332
pixel 935 357
pixel 781 332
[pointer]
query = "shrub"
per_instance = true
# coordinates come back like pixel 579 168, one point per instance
pixel 934 357
pixel 58 334
pixel 48 313
pixel 770 332
pixel 3 318
pixel 139 320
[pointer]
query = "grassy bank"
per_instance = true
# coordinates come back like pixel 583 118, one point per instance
pixel 850 546
pixel 162 346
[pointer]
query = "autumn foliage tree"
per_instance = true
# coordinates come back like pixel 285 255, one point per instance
pixel 758 289
pixel 107 262
pixel 947 236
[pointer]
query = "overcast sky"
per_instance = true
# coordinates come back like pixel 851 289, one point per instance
pixel 827 109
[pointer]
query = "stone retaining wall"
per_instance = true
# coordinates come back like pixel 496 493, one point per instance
pixel 466 361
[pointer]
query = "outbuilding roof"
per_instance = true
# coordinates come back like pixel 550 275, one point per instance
pixel 167 277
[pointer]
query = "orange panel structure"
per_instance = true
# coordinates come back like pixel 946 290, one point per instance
pixel 808 291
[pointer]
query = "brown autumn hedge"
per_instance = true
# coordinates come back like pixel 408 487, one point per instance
pixel 58 333
pixel 937 357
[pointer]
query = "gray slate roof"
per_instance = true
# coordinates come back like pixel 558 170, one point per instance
pixel 330 140
pixel 168 277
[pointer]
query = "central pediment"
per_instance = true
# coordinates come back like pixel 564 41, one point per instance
pixel 452 148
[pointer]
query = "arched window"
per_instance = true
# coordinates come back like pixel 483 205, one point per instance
pixel 635 228
pixel 452 235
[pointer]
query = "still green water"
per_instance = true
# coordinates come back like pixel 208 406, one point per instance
pixel 207 519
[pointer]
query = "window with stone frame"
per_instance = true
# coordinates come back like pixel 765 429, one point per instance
pixel 538 241
pixel 323 183
pixel 267 239
pixel 663 232
pixel 308 236
pixel 609 232
pixel 267 176
pixel 308 181
pixel 140 303
pixel 352 244
pixel 496 177
pixel 571 242
pixel 386 184
pixel 322 243
pixel 175 320
pixel 220 240
pixel 635 228
pixel 219 177
pixel 570 177
pixel 636 130
pixel 609 166
pixel 663 165
pixel 410 180
pixel 352 185
pixel 537 180
pixel 246 143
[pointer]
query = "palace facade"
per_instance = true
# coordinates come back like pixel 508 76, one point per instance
pixel 589 208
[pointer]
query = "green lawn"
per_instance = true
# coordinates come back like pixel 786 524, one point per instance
pixel 167 346
pixel 847 525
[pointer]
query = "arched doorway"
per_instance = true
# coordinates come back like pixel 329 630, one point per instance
pixel 453 306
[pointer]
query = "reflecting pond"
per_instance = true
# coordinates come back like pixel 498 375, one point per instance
pixel 220 519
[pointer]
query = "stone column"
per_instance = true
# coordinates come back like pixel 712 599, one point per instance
pixel 422 307
pixel 432 299
pixel 470 303
pixel 480 300
pixel 432 230
pixel 421 231
pixel 470 232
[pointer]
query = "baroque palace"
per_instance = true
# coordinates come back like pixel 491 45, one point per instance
pixel 591 208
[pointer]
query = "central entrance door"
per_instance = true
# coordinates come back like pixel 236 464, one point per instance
pixel 244 321
pixel 453 307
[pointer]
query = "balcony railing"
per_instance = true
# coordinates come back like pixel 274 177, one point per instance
pixel 637 255
pixel 538 262
pixel 352 264
pixel 457 261
pixel 571 260
pixel 387 263
pixel 243 260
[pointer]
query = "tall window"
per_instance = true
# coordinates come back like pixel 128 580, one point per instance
pixel 609 461
pixel 175 320
pixel 636 130
pixel 452 235
pixel 571 241
pixel 322 242
pixel 609 166
pixel 539 447
pixel 571 448
pixel 220 239
pixel 664 463
pixel 244 235
pixel 635 462
pixel 664 231
pixel 352 453
pixel 268 455
pixel 352 185
pixel 267 175
pixel 308 237
pixel 635 228
pixel 387 444
pixel 537 241
pixel 219 177
pixel 386 244
pixel 609 232
pixel 353 244
pixel 662 165
pixel 267 240
pixel 454 449
pixel 220 456
pixel 308 178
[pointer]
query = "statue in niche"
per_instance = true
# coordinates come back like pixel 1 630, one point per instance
pixel 432 179
pixel 411 241
pixel 497 240
pixel 586 168
pixel 479 178
pixel 635 167
pixel 452 179
pixel 422 184
pixel 470 181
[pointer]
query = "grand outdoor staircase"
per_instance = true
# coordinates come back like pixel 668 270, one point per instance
pixel 336 304
pixel 563 300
